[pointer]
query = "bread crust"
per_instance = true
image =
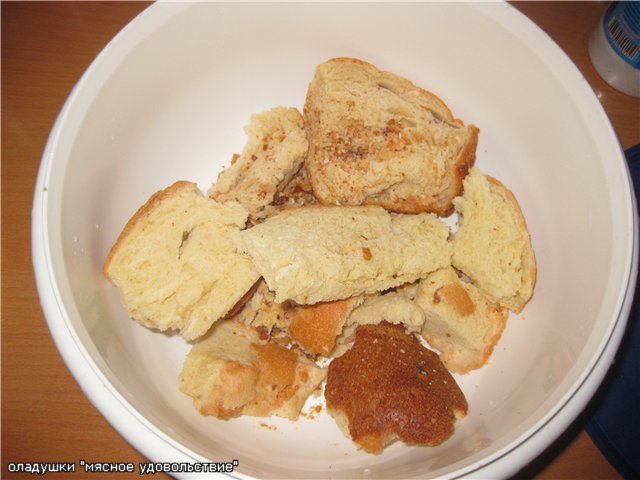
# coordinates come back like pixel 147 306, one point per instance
pixel 388 386
pixel 315 327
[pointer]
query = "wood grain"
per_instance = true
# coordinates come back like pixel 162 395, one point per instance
pixel 45 49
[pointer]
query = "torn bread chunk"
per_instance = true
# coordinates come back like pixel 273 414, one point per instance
pixel 232 372
pixel 460 320
pixel 275 150
pixel 176 264
pixel 321 253
pixel 492 245
pixel 389 387
pixel 375 138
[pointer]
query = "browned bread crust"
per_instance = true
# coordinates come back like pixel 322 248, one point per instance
pixel 388 386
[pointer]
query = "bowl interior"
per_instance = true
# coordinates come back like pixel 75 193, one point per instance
pixel 168 100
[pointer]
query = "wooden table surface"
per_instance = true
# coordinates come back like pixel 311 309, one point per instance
pixel 45 49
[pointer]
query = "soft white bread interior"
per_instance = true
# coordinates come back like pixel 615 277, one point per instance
pixel 460 321
pixel 320 253
pixel 233 372
pixel 492 245
pixel 376 138
pixel 176 264
pixel 275 150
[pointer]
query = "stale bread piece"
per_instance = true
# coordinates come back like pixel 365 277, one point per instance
pixel 320 253
pixel 377 139
pixel 275 150
pixel 388 386
pixel 176 264
pixel 460 321
pixel 232 372
pixel 492 246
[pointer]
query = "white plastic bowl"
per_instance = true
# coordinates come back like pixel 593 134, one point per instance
pixel 168 99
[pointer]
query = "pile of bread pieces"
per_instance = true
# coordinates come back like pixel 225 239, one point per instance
pixel 321 260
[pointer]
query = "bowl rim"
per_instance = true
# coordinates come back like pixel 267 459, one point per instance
pixel 159 447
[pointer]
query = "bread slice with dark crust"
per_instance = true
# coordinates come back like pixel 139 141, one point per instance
pixel 388 386
pixel 375 138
